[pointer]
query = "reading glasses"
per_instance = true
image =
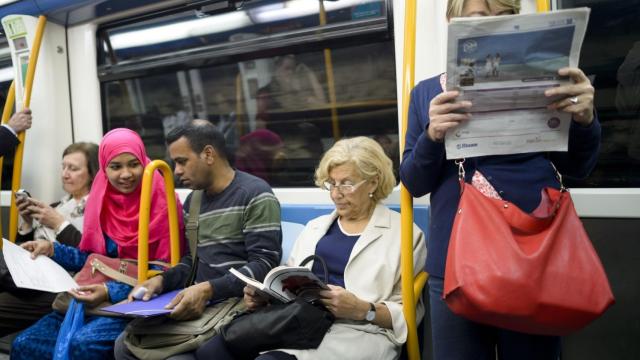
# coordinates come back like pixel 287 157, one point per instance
pixel 342 188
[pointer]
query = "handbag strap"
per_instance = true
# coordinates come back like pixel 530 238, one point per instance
pixel 461 173
pixel 98 265
pixel 192 233
pixel 558 176
pixel 322 262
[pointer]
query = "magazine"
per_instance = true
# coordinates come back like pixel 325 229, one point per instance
pixel 286 283
pixel 503 65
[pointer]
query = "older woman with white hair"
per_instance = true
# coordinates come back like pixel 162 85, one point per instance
pixel 360 243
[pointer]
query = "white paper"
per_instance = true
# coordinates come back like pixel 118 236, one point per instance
pixel 40 273
pixel 503 65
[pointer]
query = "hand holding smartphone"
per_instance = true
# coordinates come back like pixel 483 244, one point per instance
pixel 22 194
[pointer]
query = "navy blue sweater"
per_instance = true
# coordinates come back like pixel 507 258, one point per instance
pixel 517 178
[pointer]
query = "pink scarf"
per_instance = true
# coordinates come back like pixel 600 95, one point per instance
pixel 111 212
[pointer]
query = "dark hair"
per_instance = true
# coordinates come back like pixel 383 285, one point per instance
pixel 200 133
pixel 90 152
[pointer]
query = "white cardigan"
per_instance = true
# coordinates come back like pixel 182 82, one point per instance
pixel 373 274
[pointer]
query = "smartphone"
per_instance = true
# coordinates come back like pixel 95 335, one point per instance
pixel 22 194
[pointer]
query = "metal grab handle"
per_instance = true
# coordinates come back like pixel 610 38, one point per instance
pixel 17 160
pixel 145 210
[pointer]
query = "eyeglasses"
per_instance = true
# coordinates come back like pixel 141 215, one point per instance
pixel 342 188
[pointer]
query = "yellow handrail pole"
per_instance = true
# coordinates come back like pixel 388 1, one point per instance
pixel 418 285
pixel 542 5
pixel 239 107
pixel 28 87
pixel 145 211
pixel 406 200
pixel 331 84
pixel 6 114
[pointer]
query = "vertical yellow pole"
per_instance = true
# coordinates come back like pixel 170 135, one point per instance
pixel 331 85
pixel 145 211
pixel 542 5
pixel 239 106
pixel 6 114
pixel 17 162
pixel 406 200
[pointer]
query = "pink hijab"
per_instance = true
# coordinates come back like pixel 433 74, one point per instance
pixel 111 212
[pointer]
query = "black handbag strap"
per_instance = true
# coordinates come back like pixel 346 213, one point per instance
pixel 322 262
pixel 192 233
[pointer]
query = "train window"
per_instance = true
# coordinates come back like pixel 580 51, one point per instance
pixel 611 56
pixel 275 112
pixel 213 27
pixel 279 108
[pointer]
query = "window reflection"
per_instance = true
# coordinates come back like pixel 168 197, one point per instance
pixel 200 28
pixel 275 112
pixel 611 57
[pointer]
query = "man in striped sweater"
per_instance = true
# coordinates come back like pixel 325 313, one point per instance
pixel 239 225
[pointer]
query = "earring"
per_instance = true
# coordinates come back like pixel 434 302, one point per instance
pixel 371 195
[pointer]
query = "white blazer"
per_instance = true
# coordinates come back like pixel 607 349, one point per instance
pixel 373 274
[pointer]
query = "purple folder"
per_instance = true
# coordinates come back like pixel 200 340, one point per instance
pixel 139 308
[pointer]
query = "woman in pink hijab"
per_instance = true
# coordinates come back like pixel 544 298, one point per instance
pixel 111 229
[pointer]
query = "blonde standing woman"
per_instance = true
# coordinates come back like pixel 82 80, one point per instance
pixel 516 178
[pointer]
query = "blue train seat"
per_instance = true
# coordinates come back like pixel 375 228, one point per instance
pixel 294 217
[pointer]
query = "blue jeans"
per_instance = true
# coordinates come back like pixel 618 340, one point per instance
pixel 455 338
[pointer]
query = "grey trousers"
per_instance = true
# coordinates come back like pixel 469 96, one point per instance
pixel 121 352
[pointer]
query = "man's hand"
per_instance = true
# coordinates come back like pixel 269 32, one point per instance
pixel 39 247
pixel 154 287
pixel 190 302
pixel 21 120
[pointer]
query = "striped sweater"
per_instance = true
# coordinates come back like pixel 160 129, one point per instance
pixel 238 228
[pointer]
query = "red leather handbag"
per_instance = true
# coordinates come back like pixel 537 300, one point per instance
pixel 512 270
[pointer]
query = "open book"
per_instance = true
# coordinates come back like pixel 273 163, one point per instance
pixel 285 283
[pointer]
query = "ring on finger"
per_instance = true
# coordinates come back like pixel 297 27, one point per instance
pixel 574 100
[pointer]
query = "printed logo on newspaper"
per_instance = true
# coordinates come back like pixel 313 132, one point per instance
pixel 469 46
pixel 465 146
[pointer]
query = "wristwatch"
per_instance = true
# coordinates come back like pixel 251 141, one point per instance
pixel 371 314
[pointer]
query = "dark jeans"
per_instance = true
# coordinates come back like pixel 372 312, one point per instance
pixel 20 308
pixel 215 349
pixel 455 338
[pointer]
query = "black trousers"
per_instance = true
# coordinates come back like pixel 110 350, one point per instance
pixel 20 308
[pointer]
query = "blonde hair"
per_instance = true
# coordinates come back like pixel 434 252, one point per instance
pixel 454 7
pixel 368 158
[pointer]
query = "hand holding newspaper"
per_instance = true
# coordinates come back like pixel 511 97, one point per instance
pixel 286 283
pixel 40 273
pixel 503 65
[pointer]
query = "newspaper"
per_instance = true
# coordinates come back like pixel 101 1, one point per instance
pixel 503 65
pixel 40 273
